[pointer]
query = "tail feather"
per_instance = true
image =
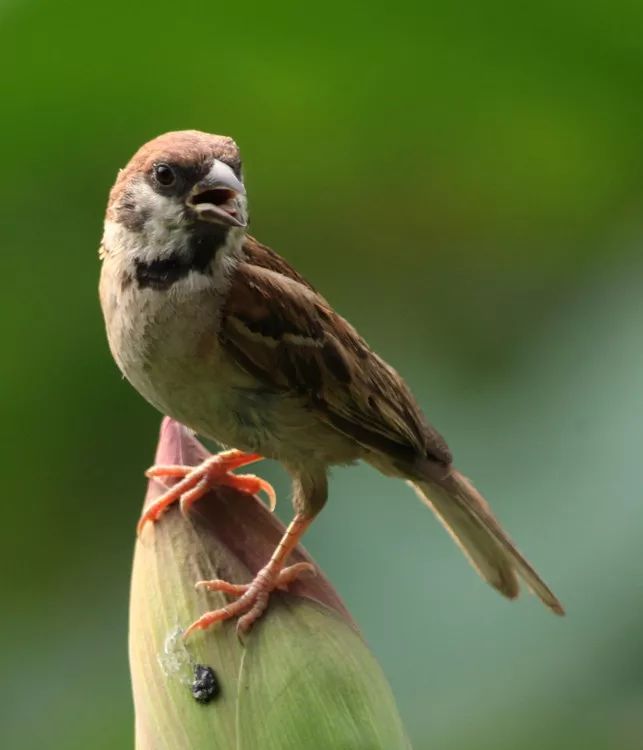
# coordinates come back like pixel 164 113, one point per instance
pixel 469 520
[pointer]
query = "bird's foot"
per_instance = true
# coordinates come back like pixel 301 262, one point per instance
pixel 253 597
pixel 196 481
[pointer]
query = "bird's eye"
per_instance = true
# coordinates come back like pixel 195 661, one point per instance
pixel 164 174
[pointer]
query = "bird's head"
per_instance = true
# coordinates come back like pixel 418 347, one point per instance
pixel 179 189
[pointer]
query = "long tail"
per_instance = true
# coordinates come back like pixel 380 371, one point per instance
pixel 468 518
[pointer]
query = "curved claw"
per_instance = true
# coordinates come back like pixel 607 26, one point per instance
pixel 270 493
pixel 253 485
pixel 272 496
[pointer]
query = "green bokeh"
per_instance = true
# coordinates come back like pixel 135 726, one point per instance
pixel 464 181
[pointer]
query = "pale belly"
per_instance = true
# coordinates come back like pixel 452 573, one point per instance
pixel 169 350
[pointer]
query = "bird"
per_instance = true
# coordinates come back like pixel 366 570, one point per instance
pixel 222 334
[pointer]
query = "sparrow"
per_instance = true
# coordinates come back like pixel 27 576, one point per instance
pixel 219 332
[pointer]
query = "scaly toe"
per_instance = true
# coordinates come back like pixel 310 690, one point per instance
pixel 173 470
pixel 162 503
pixel 218 584
pixel 292 572
pixel 195 481
pixel 245 622
pixel 253 597
pixel 218 615
pixel 196 493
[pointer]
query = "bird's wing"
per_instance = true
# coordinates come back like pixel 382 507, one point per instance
pixel 264 257
pixel 286 335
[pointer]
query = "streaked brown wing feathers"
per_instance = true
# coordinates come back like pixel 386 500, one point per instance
pixel 287 336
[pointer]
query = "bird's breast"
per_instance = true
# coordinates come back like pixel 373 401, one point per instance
pixel 166 343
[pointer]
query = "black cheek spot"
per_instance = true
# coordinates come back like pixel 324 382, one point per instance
pixel 205 686
pixel 131 216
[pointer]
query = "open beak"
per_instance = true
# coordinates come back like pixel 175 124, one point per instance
pixel 214 199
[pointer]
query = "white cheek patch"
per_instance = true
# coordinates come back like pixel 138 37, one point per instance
pixel 159 208
pixel 162 231
pixel 112 233
pixel 164 227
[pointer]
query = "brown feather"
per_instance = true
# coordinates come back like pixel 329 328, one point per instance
pixel 466 515
pixel 262 256
pixel 288 336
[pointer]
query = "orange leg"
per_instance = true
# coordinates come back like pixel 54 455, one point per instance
pixel 196 481
pixel 254 596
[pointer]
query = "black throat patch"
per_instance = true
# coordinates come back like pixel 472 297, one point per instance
pixel 204 243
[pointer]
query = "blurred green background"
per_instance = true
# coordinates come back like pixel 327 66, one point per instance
pixel 464 181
